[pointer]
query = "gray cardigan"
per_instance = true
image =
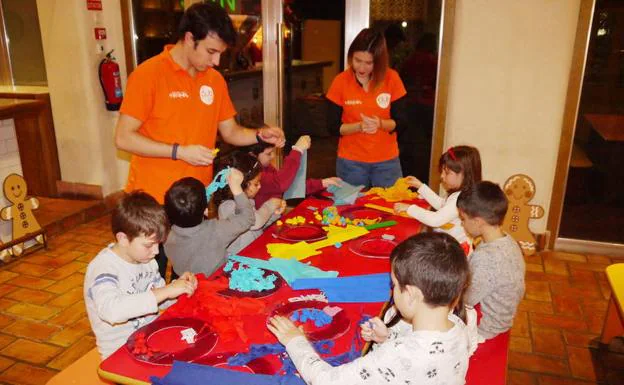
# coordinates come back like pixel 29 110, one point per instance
pixel 264 217
pixel 202 248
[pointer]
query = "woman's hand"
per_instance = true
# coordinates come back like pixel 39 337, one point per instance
pixel 374 330
pixel 413 181
pixel 370 125
pixel 333 181
pixel 284 329
pixel 400 207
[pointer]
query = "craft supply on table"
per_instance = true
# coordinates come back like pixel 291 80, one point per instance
pixel 289 269
pixel 315 322
pixel 358 288
pixel 345 194
pixel 247 278
pixel 385 209
pixel 398 192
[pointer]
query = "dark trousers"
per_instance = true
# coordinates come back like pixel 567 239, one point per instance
pixel 161 259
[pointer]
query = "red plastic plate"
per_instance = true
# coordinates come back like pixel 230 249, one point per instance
pixel 220 360
pixel 162 338
pixel 279 282
pixel 373 247
pixel 359 212
pixel 305 232
pixel 339 325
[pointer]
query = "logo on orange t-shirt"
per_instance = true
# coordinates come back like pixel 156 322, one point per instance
pixel 206 94
pixel 383 100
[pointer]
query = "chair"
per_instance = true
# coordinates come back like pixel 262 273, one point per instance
pixel 488 364
pixel 82 372
pixel 614 321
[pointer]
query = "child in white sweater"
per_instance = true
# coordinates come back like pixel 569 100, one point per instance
pixel 428 345
pixel 460 169
pixel 122 287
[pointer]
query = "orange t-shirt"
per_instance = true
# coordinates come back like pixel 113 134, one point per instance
pixel 346 92
pixel 174 108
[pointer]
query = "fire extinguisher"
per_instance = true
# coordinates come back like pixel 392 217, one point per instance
pixel 111 82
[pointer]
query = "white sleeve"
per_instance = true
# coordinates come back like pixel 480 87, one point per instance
pixel 431 197
pixel 379 366
pixel 472 329
pixel 444 215
pixel 114 306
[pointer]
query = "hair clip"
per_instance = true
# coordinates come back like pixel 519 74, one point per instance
pixel 452 154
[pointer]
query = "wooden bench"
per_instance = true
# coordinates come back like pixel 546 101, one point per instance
pixel 614 321
pixel 82 372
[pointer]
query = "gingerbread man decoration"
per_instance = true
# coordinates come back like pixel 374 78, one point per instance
pixel 520 189
pixel 20 212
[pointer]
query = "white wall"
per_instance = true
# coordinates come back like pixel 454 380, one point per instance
pixel 84 128
pixel 9 164
pixel 509 72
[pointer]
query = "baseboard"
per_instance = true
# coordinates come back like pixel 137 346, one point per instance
pixel 590 247
pixel 74 190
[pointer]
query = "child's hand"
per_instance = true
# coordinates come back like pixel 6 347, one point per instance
pixel 181 286
pixel 374 330
pixel 189 277
pixel 280 209
pixel 235 179
pixel 333 181
pixel 413 181
pixel 400 207
pixel 303 143
pixel 284 329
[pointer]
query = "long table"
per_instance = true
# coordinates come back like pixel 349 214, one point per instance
pixel 121 367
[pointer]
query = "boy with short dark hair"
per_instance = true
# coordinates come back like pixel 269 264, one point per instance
pixel 122 287
pixel 197 244
pixel 497 265
pixel 428 345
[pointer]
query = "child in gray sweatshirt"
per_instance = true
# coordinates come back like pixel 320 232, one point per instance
pixel 496 266
pixel 197 244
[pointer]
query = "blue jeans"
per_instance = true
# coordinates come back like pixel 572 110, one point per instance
pixel 379 174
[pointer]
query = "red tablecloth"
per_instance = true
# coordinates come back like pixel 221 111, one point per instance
pixel 123 368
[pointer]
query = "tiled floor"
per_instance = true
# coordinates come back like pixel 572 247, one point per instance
pixel 43 326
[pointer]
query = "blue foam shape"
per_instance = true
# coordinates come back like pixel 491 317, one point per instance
pixel 218 182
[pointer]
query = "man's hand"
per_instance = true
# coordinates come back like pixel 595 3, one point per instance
pixel 273 135
pixel 196 155
pixel 284 329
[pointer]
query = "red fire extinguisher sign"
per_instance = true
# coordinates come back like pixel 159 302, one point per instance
pixel 110 80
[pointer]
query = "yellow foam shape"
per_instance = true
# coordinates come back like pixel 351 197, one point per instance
pixel 399 192
pixel 385 209
pixel 303 250
pixel 447 226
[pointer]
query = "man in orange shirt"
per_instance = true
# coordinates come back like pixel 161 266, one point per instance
pixel 175 103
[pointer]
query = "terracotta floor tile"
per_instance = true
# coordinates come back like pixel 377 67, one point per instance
pixel 5 363
pixel 71 354
pixel 29 351
pixel 46 261
pixel 598 267
pixel 31 311
pixel 88 257
pixel 566 305
pixel 520 344
pixel 605 289
pixel 536 306
pixel 37 297
pixel 535 258
pixel 29 269
pixel 548 341
pixel 5 320
pixel 533 276
pixel 535 267
pixel 584 276
pixel 6 340
pixel 537 363
pixel 555 266
pixel 558 322
pixel 581 340
pixel 520 326
pixel 581 291
pixel 70 315
pixel 6 275
pixel 537 291
pixel 25 374
pixel 6 303
pixel 31 329
pixel 550 380
pixel 30 282
pixel 72 333
pixel 581 363
pixel 65 271
pixel 68 298
pixel 74 280
pixel 599 259
pixel 564 256
pixel 517 377
pixel 90 249
pixel 6 289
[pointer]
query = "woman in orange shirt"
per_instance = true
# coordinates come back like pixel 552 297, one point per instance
pixel 367 106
